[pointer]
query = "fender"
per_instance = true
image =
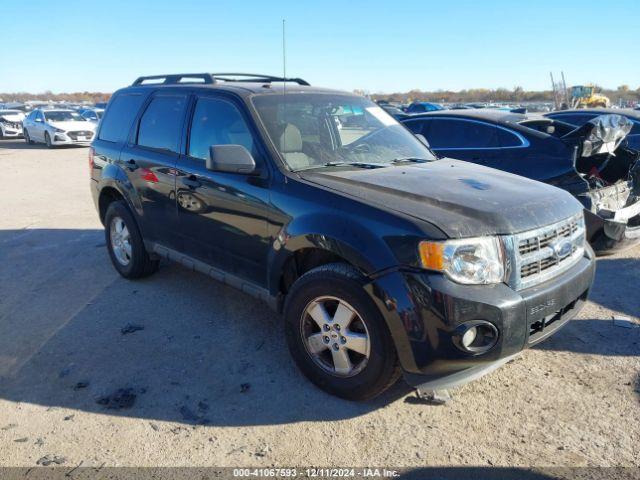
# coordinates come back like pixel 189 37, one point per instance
pixel 113 176
pixel 345 237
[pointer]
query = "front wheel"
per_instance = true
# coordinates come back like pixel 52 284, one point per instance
pixel 124 242
pixel 27 138
pixel 47 140
pixel 337 336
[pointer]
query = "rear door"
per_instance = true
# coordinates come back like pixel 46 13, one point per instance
pixel 149 160
pixel 223 216
pixel 114 130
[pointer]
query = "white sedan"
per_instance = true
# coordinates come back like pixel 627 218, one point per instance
pixel 11 123
pixel 57 127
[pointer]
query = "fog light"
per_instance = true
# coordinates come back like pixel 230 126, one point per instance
pixel 469 336
pixel 475 337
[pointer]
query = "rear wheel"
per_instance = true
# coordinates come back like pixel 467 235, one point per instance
pixel 124 242
pixel 337 336
pixel 47 140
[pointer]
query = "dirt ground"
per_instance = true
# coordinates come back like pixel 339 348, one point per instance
pixel 207 379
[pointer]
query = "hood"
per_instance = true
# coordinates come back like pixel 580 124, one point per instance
pixel 462 199
pixel 12 117
pixel 73 125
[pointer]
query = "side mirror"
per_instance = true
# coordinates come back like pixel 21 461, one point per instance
pixel 423 140
pixel 230 158
pixel 39 120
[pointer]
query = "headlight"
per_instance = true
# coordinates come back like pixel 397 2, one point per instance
pixel 58 130
pixel 474 261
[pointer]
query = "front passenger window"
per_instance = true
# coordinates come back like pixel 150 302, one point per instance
pixel 218 122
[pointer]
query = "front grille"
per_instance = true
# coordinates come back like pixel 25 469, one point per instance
pixel 545 252
pixel 74 135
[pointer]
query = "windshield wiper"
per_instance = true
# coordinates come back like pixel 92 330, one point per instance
pixel 409 160
pixel 341 164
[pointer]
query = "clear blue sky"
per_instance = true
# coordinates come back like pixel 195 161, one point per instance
pixel 392 45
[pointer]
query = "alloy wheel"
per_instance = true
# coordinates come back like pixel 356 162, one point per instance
pixel 335 336
pixel 120 241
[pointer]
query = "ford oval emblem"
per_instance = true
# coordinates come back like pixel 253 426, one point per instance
pixel 562 248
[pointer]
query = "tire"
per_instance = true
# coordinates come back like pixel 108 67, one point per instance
pixel 138 263
pixel 47 140
pixel 27 138
pixel 338 285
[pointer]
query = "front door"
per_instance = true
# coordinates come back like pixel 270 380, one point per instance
pixel 37 128
pixel 223 216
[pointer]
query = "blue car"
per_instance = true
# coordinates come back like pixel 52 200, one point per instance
pixel 582 116
pixel 422 107
pixel 593 162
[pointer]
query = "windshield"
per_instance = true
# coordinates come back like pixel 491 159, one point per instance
pixel 316 130
pixel 10 112
pixel 62 116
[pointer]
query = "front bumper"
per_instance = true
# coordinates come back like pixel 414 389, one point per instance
pixel 66 139
pixel 11 132
pixel 424 309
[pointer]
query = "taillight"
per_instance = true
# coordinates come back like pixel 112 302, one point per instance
pixel 91 164
pixel 148 175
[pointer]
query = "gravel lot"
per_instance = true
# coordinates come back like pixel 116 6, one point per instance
pixel 208 379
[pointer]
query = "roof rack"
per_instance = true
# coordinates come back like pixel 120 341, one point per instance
pixel 209 78
pixel 175 78
pixel 256 77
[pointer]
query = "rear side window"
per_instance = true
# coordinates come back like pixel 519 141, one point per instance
pixel 161 123
pixel 218 122
pixel 117 122
pixel 455 134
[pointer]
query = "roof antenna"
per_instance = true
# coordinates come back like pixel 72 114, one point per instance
pixel 284 51
pixel 284 80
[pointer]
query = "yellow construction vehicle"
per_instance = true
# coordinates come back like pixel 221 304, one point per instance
pixel 585 96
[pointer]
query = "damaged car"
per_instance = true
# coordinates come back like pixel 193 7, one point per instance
pixel 579 117
pixel 11 123
pixel 594 162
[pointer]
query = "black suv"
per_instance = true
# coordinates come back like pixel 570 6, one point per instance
pixel 383 259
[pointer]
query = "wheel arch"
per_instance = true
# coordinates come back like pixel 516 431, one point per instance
pixel 114 185
pixel 312 242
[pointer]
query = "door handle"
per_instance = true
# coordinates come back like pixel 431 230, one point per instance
pixel 192 182
pixel 132 165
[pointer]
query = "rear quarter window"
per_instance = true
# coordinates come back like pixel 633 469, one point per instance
pixel 507 138
pixel 118 118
